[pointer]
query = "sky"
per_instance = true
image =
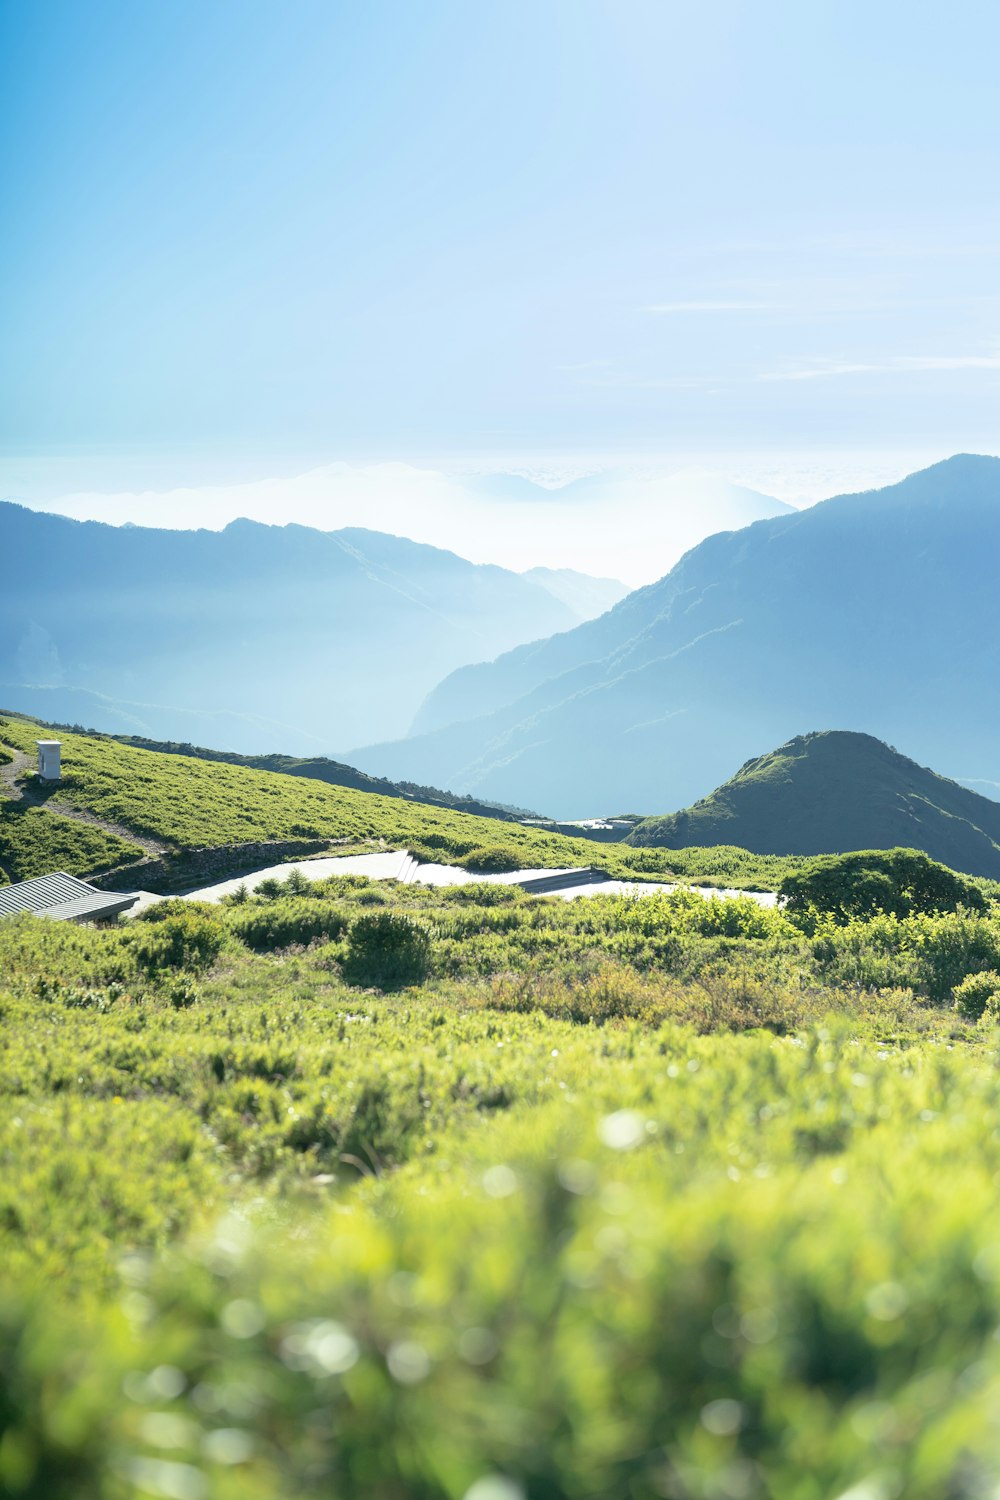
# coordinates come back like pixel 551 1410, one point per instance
pixel 244 240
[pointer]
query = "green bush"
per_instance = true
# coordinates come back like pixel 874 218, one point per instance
pixel 176 935
pixel 387 951
pixel 952 947
pixel 280 923
pixel 899 881
pixel 492 859
pixel 485 895
pixel 978 993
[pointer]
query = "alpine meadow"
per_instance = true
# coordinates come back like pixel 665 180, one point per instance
pixel 499 752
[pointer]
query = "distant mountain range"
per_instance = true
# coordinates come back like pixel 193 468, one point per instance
pixel 255 635
pixel 875 611
pixel 833 792
pixel 631 525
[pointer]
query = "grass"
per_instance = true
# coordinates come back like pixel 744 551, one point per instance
pixel 35 841
pixel 649 1198
pixel 631 1198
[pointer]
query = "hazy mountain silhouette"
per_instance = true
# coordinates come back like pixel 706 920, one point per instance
pixel 329 637
pixel 637 525
pixel 587 597
pixel 833 792
pixel 876 611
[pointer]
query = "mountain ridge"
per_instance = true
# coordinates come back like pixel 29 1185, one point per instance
pixel 834 792
pixel 323 635
pixel 860 610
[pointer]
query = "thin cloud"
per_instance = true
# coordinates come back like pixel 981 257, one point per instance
pixel 900 364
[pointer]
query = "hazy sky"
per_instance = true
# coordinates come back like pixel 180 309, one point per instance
pixel 238 232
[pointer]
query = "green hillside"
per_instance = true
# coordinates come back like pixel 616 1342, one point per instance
pixel 35 841
pixel 833 792
pixel 186 802
pixel 322 768
pixel 592 1195
pixel 578 1196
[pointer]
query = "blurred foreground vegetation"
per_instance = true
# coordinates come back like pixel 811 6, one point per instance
pixel 365 1191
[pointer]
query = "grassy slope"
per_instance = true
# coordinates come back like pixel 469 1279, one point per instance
pixel 834 792
pixel 321 768
pixel 193 803
pixel 34 841
pixel 582 1256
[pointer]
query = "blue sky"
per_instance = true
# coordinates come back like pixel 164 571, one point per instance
pixel 247 234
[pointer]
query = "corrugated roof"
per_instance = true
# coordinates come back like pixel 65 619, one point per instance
pixel 62 897
pixel 100 904
pixel 42 892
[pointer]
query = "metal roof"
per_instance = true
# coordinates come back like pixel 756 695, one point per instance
pixel 63 898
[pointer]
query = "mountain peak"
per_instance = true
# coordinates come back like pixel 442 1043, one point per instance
pixel 833 791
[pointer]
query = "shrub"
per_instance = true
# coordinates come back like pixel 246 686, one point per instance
pixel 176 935
pixel 484 895
pixel 953 947
pixel 492 859
pixel 387 951
pixel 182 994
pixel 900 881
pixel 279 924
pixel 977 994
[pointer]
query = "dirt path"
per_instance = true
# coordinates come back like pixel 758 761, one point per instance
pixel 10 772
pixel 33 795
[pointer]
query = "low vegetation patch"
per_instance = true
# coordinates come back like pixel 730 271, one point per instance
pixel 282 924
pixel 492 859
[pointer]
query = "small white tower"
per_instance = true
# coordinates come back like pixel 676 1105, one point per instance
pixel 48 759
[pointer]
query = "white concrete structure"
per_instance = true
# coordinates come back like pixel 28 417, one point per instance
pixel 49 752
pixel 400 865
